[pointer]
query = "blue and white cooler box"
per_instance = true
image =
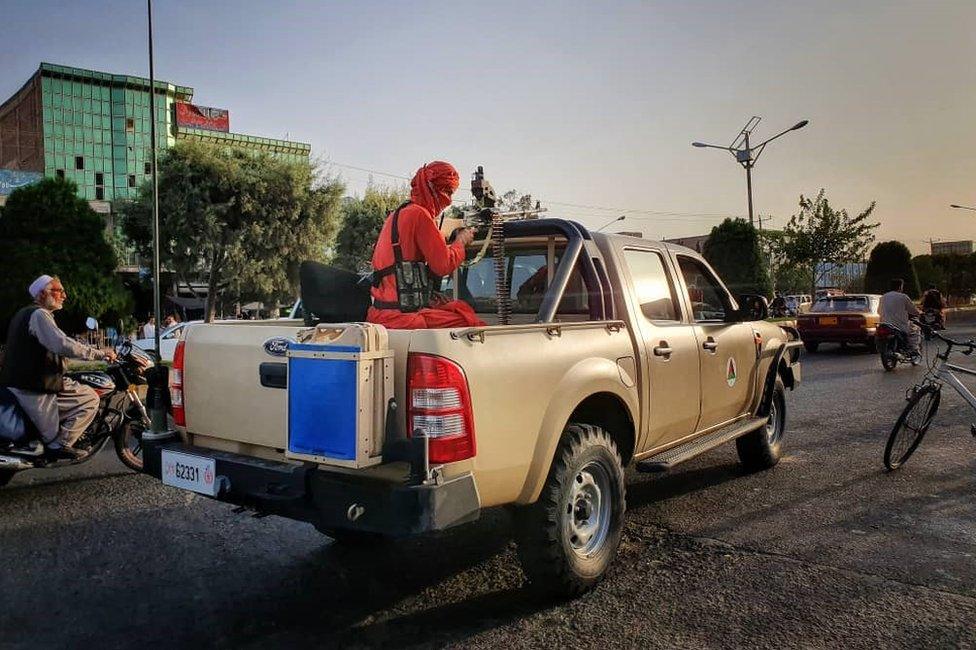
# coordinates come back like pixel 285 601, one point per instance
pixel 340 380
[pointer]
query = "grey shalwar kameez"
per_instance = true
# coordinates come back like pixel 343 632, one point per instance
pixel 60 417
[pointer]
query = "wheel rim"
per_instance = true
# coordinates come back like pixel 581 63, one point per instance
pixel 587 514
pixel 772 424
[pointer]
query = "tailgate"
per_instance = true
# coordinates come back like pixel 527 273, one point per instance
pixel 222 382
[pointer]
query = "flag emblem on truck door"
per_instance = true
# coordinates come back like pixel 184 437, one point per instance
pixel 730 373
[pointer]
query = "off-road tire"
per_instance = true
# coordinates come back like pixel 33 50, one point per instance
pixel 762 448
pixel 547 531
pixel 5 476
pixel 811 346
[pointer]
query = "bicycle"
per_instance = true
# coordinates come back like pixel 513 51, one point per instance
pixel 924 399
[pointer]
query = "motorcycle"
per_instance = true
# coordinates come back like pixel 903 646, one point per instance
pixel 932 320
pixel 893 346
pixel 121 417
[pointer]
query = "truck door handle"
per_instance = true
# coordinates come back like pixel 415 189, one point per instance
pixel 710 344
pixel 662 350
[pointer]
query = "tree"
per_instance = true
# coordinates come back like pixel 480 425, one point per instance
pixel 889 260
pixel 46 228
pixel 733 249
pixel 819 236
pixel 243 221
pixel 362 219
pixel 928 272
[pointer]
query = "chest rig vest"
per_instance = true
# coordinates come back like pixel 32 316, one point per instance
pixel 414 281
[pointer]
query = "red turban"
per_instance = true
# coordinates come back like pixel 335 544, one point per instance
pixel 433 185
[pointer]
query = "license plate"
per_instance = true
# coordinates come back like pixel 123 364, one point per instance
pixel 194 473
pixel 828 320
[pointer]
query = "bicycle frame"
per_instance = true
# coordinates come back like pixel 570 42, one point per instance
pixel 943 372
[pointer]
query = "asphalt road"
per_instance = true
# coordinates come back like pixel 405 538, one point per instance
pixel 825 550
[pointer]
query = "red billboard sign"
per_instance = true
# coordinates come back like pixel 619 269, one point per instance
pixel 202 117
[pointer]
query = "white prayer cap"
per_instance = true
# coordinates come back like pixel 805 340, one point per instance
pixel 39 285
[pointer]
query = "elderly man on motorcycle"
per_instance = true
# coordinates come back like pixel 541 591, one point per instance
pixel 34 366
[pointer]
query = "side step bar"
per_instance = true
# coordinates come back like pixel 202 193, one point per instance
pixel 666 460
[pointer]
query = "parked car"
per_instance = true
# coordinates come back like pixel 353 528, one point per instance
pixel 618 350
pixel 849 318
pixel 167 340
pixel 798 304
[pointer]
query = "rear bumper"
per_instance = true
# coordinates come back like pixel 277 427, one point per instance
pixel 331 500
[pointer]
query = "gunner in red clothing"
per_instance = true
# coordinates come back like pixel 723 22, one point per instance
pixel 411 256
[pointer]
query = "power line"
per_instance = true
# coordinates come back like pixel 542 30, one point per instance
pixel 652 214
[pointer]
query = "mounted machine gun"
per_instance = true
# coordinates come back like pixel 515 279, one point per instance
pixel 485 216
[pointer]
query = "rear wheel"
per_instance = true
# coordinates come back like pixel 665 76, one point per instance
pixel 567 539
pixel 887 352
pixel 911 426
pixel 811 346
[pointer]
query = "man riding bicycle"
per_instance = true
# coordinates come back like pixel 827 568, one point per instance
pixel 897 309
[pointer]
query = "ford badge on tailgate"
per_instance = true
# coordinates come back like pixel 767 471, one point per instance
pixel 277 346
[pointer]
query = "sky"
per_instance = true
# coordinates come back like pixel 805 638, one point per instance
pixel 578 103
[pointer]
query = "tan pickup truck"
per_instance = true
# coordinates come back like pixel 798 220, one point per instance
pixel 618 350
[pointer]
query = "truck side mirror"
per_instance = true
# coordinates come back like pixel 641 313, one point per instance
pixel 752 307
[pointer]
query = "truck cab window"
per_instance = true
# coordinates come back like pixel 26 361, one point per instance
pixel 528 273
pixel 653 285
pixel 709 300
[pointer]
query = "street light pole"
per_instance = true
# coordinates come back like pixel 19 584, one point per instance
pixel 158 380
pixel 747 155
pixel 748 165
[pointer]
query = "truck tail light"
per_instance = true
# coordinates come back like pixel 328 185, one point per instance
pixel 176 386
pixel 440 406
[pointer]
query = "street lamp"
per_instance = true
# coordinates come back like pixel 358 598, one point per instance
pixel 747 155
pixel 962 207
pixel 620 218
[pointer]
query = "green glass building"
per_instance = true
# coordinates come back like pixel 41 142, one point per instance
pixel 94 129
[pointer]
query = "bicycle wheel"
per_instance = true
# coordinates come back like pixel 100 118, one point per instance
pixel 911 426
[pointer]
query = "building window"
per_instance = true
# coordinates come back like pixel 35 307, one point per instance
pixel 59 173
pixel 132 180
pixel 147 168
pixel 130 124
pixel 99 178
pixel 79 162
pixel 99 193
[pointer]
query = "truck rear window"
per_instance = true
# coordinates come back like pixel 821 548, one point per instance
pixel 529 276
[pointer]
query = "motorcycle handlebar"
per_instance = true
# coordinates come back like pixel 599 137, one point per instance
pixel 970 345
